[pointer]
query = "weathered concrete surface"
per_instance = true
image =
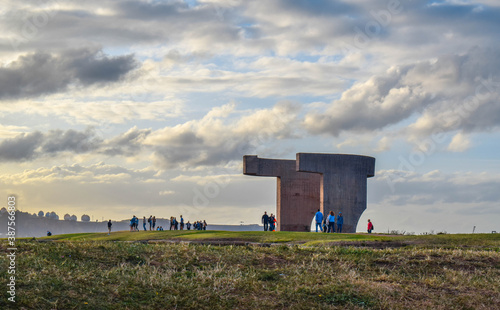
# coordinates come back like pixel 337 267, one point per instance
pixel 343 183
pixel 298 193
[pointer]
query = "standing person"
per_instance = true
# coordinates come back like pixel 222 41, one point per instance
pixel 131 224
pixel 265 221
pixel 144 223
pixel 319 218
pixel 271 222
pixel 136 223
pixel 182 223
pixel 171 222
pixel 176 224
pixel 109 226
pixel 204 225
pixel 370 226
pixel 154 222
pixel 340 222
pixel 331 222
pixel 150 221
pixel 188 225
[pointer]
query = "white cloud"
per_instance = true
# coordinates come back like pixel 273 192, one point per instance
pixel 459 143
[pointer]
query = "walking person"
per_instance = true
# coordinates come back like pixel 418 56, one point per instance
pixel 204 225
pixel 265 221
pixel 109 227
pixel 331 222
pixel 370 226
pixel 340 222
pixel 144 223
pixel 154 222
pixel 150 221
pixel 182 223
pixel 319 219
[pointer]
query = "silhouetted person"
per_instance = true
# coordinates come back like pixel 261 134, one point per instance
pixel 109 226
pixel 265 221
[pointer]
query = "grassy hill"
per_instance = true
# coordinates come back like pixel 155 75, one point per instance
pixel 145 270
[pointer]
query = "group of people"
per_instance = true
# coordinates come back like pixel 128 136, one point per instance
pixel 176 224
pixel 327 223
pixel 134 223
pixel 269 222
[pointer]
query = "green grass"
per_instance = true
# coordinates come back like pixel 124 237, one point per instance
pixel 303 271
pixel 250 236
pixel 313 239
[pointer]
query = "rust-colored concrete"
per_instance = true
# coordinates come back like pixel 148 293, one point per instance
pixel 298 193
pixel 343 183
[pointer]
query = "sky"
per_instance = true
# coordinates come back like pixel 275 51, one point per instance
pixel 116 108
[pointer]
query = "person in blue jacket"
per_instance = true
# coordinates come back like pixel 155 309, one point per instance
pixel 340 222
pixel 319 220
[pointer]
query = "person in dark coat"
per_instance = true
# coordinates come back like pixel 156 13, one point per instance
pixel 265 221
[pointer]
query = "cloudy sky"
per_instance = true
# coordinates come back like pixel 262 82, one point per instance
pixel 114 108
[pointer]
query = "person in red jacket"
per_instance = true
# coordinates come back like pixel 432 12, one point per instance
pixel 370 227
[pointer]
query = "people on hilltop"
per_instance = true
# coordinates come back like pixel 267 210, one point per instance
pixel 134 223
pixel 319 219
pixel 265 221
pixel 109 226
pixel 330 220
pixel 370 226
pixel 340 222
pixel 174 224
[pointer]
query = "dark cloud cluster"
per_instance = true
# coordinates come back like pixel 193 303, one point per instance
pixel 42 73
pixel 30 146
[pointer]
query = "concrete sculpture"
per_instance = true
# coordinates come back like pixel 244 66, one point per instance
pixel 297 192
pixel 343 183
pixel 329 182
